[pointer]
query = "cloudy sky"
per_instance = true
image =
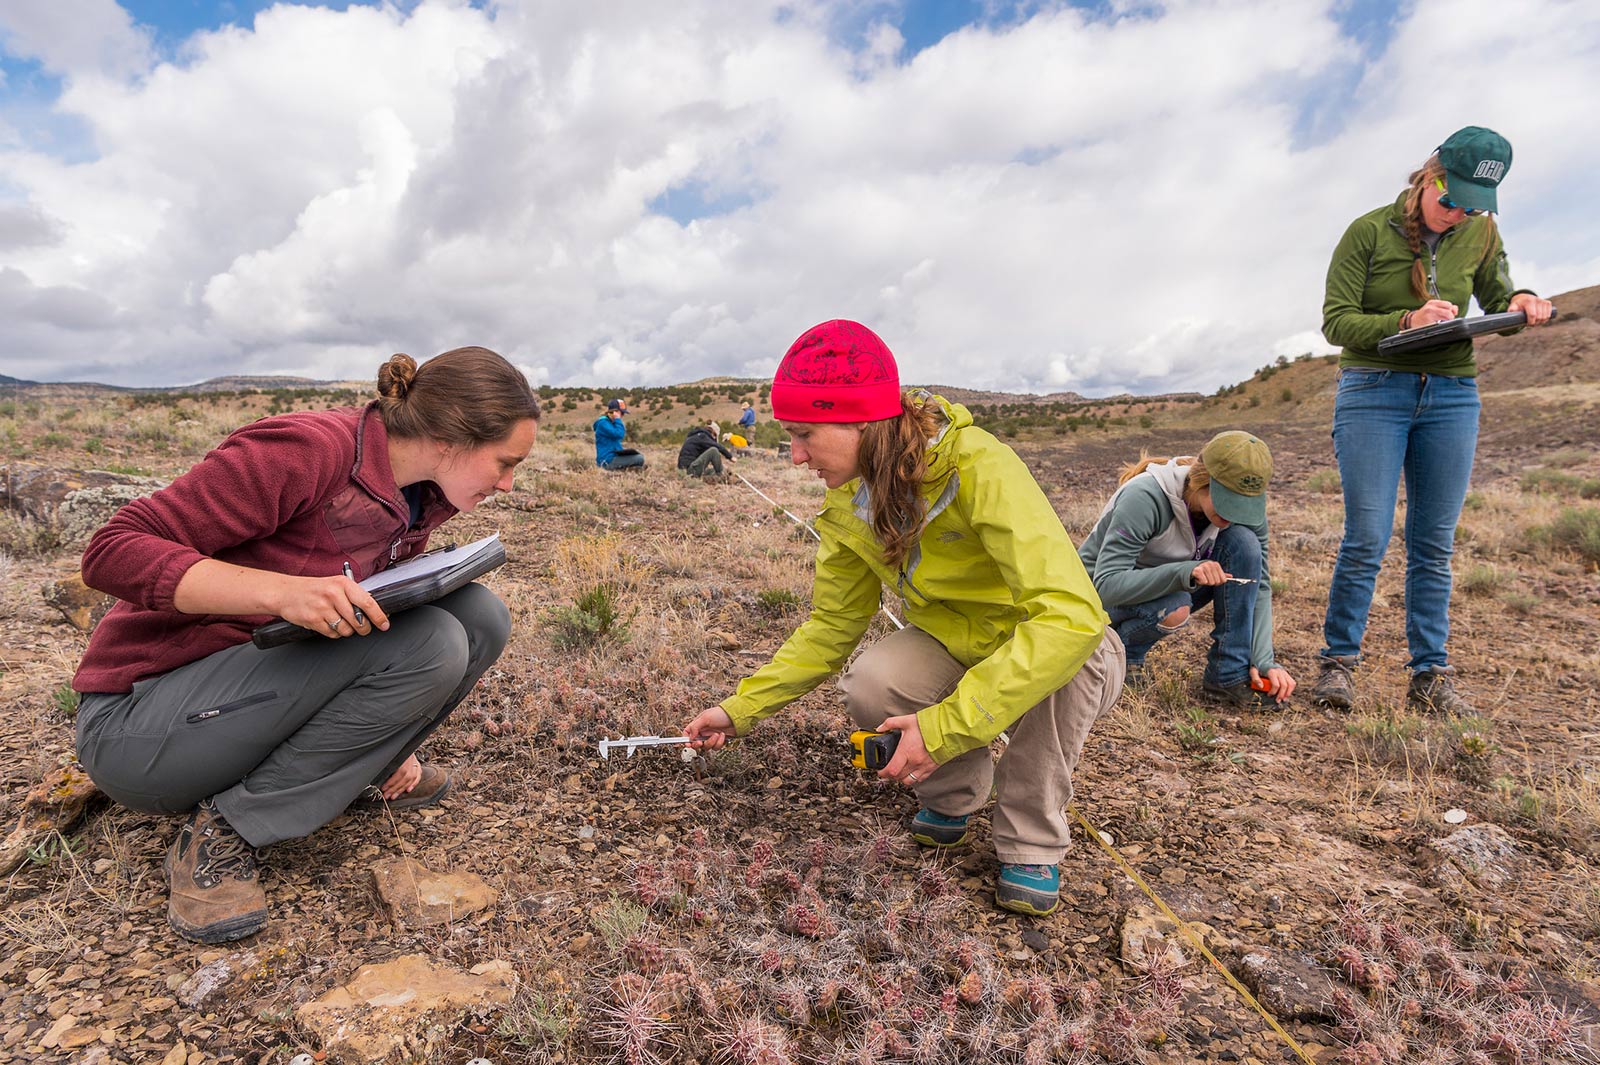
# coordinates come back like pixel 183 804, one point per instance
pixel 1024 195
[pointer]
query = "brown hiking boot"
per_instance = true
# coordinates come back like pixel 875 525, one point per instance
pixel 1432 693
pixel 213 893
pixel 433 786
pixel 1336 685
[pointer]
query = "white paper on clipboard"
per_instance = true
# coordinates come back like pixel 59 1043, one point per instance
pixel 428 564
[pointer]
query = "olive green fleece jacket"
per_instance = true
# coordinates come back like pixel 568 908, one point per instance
pixel 993 577
pixel 1369 288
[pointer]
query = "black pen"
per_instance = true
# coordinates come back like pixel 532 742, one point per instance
pixel 361 619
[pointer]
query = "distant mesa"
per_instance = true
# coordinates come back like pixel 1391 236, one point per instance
pixel 249 383
pixel 1566 353
pixel 975 395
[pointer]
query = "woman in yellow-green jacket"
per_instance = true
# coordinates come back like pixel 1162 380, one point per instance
pixel 1004 629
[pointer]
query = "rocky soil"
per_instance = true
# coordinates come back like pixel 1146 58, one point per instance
pixel 1391 887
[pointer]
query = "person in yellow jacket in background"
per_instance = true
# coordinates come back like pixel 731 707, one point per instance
pixel 1003 631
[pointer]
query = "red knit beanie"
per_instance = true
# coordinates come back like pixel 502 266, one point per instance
pixel 839 371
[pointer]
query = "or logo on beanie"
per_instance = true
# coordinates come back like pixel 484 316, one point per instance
pixel 822 404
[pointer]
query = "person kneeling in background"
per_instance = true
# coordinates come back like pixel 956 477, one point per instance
pixel 1182 533
pixel 702 451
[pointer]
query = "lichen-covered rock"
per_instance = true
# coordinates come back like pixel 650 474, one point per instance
pixel 81 605
pixel 1485 853
pixel 52 806
pixel 1288 985
pixel 83 511
pixel 211 979
pixel 38 493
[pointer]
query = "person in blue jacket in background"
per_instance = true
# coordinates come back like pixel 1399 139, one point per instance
pixel 609 454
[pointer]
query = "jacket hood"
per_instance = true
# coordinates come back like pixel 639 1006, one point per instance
pixel 941 449
pixel 1173 477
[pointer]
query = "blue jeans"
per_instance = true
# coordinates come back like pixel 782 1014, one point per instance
pixel 1238 552
pixel 1387 424
pixel 623 462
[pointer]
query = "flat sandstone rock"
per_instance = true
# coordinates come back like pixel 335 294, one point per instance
pixel 419 897
pixel 388 1007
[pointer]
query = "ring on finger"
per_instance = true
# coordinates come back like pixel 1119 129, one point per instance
pixel 912 777
pixel 335 623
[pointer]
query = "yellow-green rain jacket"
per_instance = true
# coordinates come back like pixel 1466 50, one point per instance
pixel 994 578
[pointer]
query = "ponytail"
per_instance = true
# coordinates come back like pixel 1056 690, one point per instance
pixel 894 462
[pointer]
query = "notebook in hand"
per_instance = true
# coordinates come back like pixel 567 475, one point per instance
pixel 1428 337
pixel 411 583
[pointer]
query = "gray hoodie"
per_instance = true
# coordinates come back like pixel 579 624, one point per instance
pixel 1143 547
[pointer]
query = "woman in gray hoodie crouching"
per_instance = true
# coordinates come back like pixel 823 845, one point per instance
pixel 1182 533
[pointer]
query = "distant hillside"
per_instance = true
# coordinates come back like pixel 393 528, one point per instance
pixel 1566 351
pixel 251 383
pixel 970 396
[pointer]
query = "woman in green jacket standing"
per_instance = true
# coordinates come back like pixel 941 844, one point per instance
pixel 1413 263
pixel 1004 629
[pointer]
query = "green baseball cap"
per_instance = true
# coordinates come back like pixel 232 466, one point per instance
pixel 1477 160
pixel 1240 467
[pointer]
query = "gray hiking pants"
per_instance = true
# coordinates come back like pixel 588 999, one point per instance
pixel 283 740
pixel 709 457
pixel 909 670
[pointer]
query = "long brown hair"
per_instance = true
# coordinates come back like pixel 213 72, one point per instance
pixel 1421 181
pixel 465 397
pixel 894 461
pixel 1199 478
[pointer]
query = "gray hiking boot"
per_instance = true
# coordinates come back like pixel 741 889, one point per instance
pixel 1336 685
pixel 1432 693
pixel 1137 678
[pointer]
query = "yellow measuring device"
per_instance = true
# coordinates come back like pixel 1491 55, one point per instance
pixel 873 749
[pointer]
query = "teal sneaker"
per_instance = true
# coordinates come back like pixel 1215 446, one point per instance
pixel 1030 889
pixel 937 830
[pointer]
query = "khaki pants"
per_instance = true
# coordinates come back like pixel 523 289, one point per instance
pixel 910 670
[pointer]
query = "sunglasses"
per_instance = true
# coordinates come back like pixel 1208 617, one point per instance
pixel 1450 205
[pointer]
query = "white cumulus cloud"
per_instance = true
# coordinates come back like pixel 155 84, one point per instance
pixel 641 193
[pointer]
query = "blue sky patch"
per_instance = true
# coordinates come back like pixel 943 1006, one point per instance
pixel 28 96
pixel 695 199
pixel 1370 26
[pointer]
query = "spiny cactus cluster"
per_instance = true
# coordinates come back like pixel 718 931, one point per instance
pixel 823 952
pixel 1414 998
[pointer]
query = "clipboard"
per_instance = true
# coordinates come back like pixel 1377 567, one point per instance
pixel 1437 335
pixel 429 576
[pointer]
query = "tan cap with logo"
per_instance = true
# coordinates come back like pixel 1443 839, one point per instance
pixel 1240 467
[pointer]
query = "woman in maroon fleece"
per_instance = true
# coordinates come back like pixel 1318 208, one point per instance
pixel 181 713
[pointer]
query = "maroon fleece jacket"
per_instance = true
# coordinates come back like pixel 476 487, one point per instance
pixel 298 493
